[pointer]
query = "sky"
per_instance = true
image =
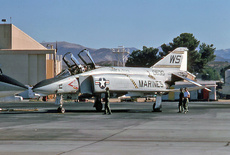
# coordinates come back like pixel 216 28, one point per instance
pixel 113 23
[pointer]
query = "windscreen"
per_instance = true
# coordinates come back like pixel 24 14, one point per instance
pixel 64 73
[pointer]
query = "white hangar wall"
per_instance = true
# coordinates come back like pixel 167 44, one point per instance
pixel 23 58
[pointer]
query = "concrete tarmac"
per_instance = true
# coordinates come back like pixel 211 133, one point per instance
pixel 35 128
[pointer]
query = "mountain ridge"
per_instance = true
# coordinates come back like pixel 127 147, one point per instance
pixel 100 55
pixel 103 55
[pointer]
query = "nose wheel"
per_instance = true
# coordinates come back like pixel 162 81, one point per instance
pixel 61 110
pixel 59 101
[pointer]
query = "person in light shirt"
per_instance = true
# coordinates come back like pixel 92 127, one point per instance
pixel 186 100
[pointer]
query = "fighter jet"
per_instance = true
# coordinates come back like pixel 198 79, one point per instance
pixel 120 80
pixel 10 86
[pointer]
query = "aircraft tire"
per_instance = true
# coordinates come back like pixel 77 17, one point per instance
pixel 154 104
pixel 61 110
pixel 156 109
pixel 99 107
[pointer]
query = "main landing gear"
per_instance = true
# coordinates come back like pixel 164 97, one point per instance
pixel 97 103
pixel 157 106
pixel 59 101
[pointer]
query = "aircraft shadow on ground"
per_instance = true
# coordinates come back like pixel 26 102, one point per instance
pixel 77 111
pixel 191 107
pixel 88 111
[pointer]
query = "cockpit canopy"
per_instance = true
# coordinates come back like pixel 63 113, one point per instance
pixel 75 66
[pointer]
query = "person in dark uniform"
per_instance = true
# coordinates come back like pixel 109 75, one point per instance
pixel 107 96
pixel 180 104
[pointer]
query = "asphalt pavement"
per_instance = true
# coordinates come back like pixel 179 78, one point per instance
pixel 132 129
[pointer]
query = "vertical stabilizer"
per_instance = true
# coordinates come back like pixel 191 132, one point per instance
pixel 177 59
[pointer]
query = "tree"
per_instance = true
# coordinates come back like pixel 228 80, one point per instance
pixel 184 40
pixel 197 60
pixel 198 55
pixel 222 71
pixel 207 52
pixel 145 58
pixel 210 74
pixel 189 41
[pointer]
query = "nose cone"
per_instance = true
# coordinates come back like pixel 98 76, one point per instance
pixel 57 85
pixel 10 86
pixel 48 86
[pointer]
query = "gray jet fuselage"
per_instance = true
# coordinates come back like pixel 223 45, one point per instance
pixel 118 79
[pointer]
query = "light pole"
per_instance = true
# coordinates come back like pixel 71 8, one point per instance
pixel 122 55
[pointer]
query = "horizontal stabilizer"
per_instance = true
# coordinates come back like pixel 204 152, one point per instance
pixel 191 81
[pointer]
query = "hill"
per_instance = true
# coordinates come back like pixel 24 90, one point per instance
pixel 222 55
pixel 105 56
pixel 100 56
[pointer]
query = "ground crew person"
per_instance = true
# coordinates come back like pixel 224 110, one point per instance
pixel 186 100
pixel 180 104
pixel 107 96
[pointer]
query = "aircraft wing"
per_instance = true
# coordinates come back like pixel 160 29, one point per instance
pixel 182 76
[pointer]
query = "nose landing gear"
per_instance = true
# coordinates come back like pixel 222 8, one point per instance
pixel 59 101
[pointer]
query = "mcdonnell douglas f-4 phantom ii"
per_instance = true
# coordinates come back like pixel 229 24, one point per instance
pixel 120 80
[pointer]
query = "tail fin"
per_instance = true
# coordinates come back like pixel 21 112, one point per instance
pixel 177 59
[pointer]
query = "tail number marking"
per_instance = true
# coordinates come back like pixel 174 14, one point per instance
pixel 175 59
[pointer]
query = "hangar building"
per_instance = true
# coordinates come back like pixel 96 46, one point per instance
pixel 23 58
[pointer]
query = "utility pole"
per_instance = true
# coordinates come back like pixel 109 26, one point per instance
pixel 54 57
